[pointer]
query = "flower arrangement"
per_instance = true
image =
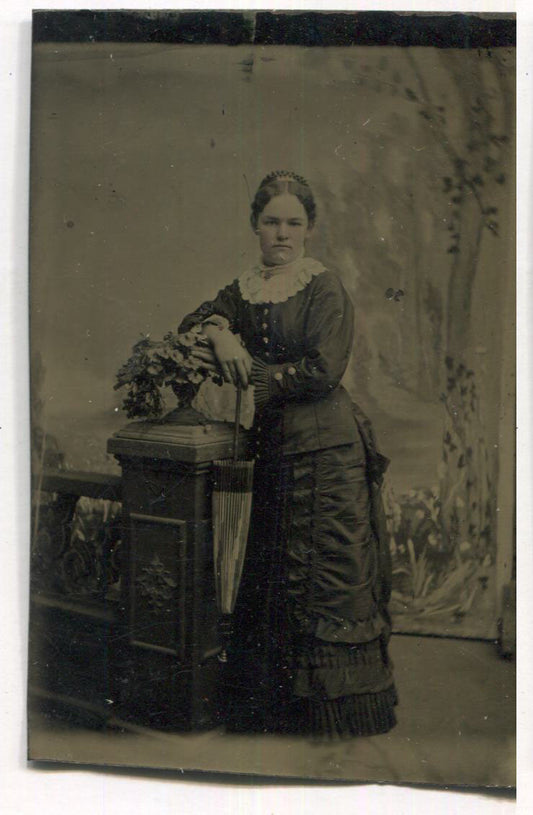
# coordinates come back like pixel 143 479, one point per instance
pixel 155 365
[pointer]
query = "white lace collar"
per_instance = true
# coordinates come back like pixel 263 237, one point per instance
pixel 275 284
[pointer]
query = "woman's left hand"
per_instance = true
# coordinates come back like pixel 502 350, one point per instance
pixel 227 356
pixel 206 357
pixel 234 359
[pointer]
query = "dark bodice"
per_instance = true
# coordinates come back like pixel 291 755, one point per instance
pixel 338 577
pixel 300 348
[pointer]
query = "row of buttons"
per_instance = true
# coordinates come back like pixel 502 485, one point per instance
pixel 266 340
pixel 264 326
pixel 278 375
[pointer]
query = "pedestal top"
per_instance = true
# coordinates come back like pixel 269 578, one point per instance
pixel 174 442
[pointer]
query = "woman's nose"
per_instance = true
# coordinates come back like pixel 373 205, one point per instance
pixel 283 232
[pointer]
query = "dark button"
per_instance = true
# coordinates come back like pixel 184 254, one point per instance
pixel 265 339
pixel 265 325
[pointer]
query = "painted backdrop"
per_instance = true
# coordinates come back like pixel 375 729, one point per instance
pixel 143 157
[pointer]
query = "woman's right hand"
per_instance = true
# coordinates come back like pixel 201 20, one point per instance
pixel 233 358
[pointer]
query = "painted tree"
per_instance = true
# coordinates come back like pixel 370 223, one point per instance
pixel 474 135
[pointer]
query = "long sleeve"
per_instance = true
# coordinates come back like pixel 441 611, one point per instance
pixel 224 305
pixel 327 343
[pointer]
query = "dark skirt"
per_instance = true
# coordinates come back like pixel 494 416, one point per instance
pixel 296 663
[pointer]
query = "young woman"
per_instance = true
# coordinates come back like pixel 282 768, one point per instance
pixel 309 651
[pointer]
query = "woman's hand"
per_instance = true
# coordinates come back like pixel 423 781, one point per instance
pixel 233 358
pixel 206 356
pixel 227 354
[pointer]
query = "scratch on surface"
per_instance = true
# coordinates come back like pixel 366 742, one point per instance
pixel 365 123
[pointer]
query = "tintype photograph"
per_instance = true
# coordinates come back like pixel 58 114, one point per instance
pixel 272 280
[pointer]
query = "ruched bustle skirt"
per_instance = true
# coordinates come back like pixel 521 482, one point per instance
pixel 309 647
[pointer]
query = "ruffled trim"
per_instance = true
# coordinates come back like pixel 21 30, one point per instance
pixel 261 382
pixel 331 671
pixel 338 629
pixel 350 631
pixel 365 714
pixel 260 285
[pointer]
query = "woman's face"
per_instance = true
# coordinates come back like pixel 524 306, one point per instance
pixel 282 228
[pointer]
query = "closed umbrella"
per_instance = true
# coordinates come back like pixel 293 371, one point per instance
pixel 232 504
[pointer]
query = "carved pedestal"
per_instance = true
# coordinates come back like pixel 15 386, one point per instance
pixel 168 657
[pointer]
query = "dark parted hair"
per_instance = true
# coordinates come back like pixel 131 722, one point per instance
pixel 281 182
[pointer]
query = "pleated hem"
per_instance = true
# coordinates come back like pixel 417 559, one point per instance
pixel 365 714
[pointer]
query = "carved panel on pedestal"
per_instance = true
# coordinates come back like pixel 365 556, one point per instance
pixel 157 583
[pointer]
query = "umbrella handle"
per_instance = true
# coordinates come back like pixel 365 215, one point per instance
pixel 237 423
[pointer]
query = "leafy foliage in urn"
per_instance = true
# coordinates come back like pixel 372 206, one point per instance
pixel 155 365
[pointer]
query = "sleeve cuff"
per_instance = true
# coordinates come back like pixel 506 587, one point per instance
pixel 273 382
pixel 261 382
